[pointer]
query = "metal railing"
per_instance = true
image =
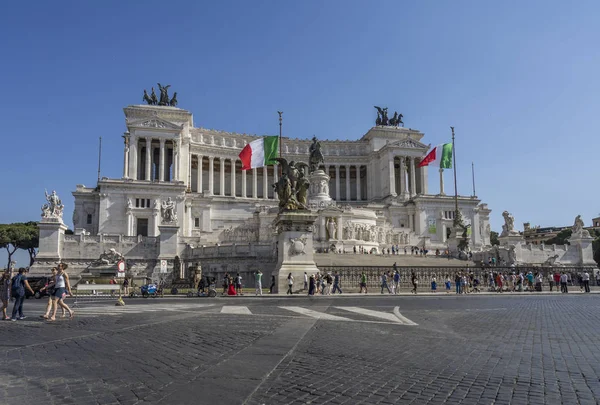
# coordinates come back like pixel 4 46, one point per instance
pixel 350 276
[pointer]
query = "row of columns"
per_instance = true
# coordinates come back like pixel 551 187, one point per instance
pixel 408 186
pixel 132 158
pixel 211 176
pixel 359 196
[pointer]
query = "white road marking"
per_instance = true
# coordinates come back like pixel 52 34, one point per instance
pixel 404 319
pixel 233 309
pixel 375 314
pixel 315 314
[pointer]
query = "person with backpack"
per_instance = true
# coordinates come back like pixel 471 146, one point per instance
pixel 17 290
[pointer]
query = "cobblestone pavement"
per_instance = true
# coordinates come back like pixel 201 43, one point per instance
pixel 462 350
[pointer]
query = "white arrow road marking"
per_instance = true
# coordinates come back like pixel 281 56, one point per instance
pixel 404 319
pixel 374 314
pixel 315 314
pixel 233 309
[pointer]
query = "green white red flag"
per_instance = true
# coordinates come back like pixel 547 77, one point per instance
pixel 259 153
pixel 440 156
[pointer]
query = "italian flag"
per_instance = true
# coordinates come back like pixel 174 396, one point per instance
pixel 259 153
pixel 440 156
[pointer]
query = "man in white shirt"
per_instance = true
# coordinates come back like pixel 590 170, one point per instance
pixel 563 283
pixel 586 281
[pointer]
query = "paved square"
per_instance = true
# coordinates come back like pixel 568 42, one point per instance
pixel 458 350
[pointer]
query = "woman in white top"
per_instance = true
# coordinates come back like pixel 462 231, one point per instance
pixel 61 288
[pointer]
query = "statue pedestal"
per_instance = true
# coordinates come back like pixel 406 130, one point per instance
pixel 512 239
pixel 52 235
pixel 168 241
pixel 319 188
pixel 295 248
pixel 583 242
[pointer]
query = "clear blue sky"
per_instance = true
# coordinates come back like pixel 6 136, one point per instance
pixel 518 80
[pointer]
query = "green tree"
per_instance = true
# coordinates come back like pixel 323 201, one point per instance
pixel 19 236
pixel 494 238
pixel 561 238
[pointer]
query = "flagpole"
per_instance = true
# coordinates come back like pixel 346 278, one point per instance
pixel 454 165
pixel 280 140
pixel 99 158
pixel 473 175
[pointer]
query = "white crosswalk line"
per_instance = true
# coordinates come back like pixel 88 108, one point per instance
pixel 404 319
pixel 375 314
pixel 315 314
pixel 233 309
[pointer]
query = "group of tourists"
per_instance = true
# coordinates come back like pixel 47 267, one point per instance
pixel 15 288
pixel 232 285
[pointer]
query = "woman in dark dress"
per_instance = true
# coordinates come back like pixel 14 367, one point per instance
pixel 311 285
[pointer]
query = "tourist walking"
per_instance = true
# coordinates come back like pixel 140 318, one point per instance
pixel 258 282
pixel 458 283
pixel 384 283
pixel 62 287
pixel 238 284
pixel 363 283
pixel 336 283
pixel 17 290
pixel 5 293
pixel 290 279
pixel 563 283
pixel 586 281
pixel 433 285
pixel 272 285
pixel 396 281
pixel 448 284
pixel 50 288
pixel 413 279
pixel 311 285
pixel 306 278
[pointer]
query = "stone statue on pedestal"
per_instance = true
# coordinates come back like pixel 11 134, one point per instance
pixel 54 207
pixel 167 211
pixel 316 156
pixel 577 228
pixel 292 186
pixel 509 224
pixel 331 227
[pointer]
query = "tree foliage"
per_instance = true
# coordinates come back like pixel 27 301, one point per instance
pixel 19 236
pixel 494 238
pixel 561 238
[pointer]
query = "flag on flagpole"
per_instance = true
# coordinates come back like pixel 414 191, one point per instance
pixel 259 153
pixel 440 156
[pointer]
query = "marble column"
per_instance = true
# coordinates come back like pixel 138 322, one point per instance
pixel 337 183
pixel 265 182
pixel 358 196
pixel 403 186
pixel 211 175
pixel 423 178
pixel 161 161
pixel 339 233
pixel 392 178
pixel 133 157
pixel 199 184
pixel 148 159
pixel 322 230
pixel 244 193
pixel 126 157
pixel 189 179
pixel 254 183
pixel 175 162
pixel 413 185
pixel 348 195
pixel 233 161
pixel 222 176
pixel 442 182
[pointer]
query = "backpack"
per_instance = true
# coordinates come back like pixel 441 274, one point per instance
pixel 16 286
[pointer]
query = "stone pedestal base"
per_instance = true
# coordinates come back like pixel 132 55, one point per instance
pixel 511 240
pixel 583 242
pixel 52 235
pixel 294 249
pixel 167 248
pixel 319 189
